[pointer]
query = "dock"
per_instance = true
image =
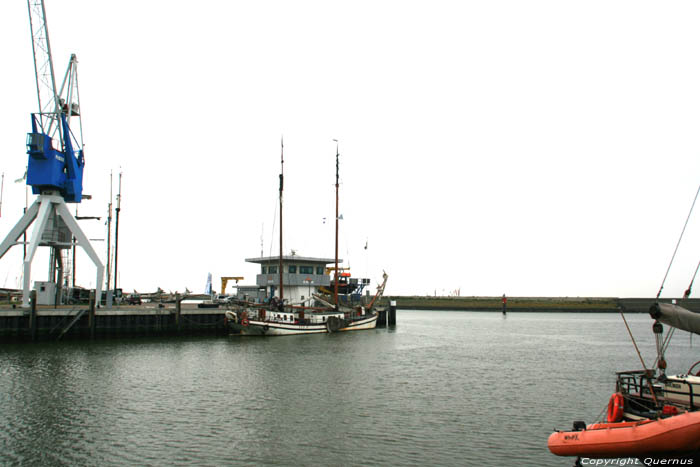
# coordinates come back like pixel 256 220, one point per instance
pixel 153 319
pixel 86 321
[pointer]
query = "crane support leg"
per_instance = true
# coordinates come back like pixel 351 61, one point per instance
pixel 40 212
pixel 83 241
pixel 41 218
pixel 19 229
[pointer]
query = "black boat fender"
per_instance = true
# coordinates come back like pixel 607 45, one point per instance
pixel 334 323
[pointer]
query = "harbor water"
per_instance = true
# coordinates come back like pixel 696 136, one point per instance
pixel 440 389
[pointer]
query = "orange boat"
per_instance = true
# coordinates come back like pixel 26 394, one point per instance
pixel 675 435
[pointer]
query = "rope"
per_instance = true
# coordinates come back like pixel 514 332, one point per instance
pixel 664 346
pixel 678 244
pixel 633 341
pixel 599 418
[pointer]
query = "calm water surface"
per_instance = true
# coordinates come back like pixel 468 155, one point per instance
pixel 442 388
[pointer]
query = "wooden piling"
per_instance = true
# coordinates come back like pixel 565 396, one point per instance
pixel 391 315
pixel 32 315
pixel 91 314
pixel 178 310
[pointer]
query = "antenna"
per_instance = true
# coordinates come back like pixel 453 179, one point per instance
pixel 2 189
pixel 109 233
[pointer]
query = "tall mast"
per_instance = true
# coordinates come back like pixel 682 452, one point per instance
pixel 116 232
pixel 281 189
pixel 109 233
pixel 337 167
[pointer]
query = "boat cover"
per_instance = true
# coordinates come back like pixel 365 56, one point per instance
pixel 676 316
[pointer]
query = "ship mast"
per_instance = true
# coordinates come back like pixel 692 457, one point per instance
pixel 337 167
pixel 281 188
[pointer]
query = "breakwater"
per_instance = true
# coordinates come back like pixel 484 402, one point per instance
pixel 535 304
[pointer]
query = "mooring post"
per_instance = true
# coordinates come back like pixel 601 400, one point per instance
pixel 391 319
pixel 32 315
pixel 381 319
pixel 91 314
pixel 178 310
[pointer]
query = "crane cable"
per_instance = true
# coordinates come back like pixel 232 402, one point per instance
pixel 678 244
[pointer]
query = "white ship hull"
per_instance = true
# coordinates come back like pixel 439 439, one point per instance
pixel 272 328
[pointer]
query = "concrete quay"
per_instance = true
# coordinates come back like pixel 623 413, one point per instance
pixel 86 321
pixel 536 304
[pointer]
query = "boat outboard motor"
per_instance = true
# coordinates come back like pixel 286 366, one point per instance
pixel 579 425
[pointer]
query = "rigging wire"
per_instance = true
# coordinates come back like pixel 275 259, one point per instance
pixel 690 287
pixel 678 244
pixel 667 341
pixel 651 388
pixel 664 345
pixel 634 342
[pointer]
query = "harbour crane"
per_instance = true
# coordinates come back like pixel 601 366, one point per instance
pixel 55 164
pixel 224 282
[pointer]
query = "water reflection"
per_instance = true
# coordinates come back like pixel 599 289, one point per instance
pixel 442 388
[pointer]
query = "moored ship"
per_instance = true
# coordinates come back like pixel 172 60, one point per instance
pixel 314 302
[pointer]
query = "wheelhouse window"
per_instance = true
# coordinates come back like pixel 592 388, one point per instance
pixel 319 270
pixel 272 269
pixel 306 269
pixel 264 270
pixel 292 269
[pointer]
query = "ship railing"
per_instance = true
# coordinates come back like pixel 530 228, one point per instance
pixel 636 386
pixel 640 393
pixel 678 396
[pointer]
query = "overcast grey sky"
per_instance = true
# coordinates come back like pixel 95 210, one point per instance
pixel 522 147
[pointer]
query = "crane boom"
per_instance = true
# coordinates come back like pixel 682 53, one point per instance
pixel 55 150
pixel 47 97
pixel 224 282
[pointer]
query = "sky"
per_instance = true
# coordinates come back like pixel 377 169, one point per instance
pixel 533 148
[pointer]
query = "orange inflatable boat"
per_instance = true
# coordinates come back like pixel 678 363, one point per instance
pixel 677 434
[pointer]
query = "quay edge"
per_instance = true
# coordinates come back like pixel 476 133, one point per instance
pixel 77 322
pixel 535 304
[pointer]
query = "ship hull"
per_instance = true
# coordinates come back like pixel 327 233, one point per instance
pixel 676 435
pixel 271 328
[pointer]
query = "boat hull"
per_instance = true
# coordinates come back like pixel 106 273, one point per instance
pixel 676 435
pixel 271 328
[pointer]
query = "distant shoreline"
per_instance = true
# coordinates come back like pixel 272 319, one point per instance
pixel 535 304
